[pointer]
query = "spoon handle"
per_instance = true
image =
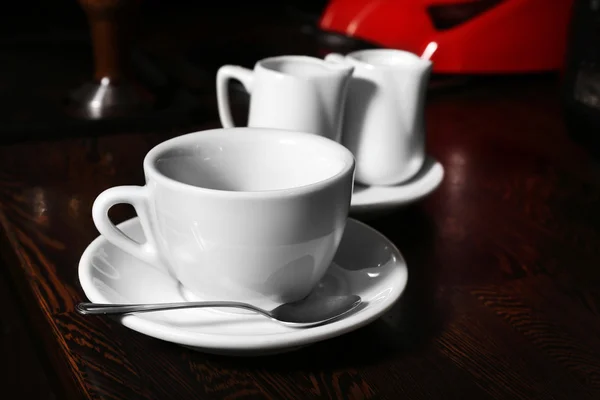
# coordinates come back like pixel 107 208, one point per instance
pixel 116 309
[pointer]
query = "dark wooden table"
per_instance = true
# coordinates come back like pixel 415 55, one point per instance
pixel 503 298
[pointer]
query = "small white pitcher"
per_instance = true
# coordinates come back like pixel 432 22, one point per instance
pixel 383 119
pixel 298 93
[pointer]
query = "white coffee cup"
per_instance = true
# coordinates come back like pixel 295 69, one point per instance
pixel 240 214
pixel 383 117
pixel 299 93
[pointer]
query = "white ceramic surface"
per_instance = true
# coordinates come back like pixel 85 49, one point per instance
pixel 300 93
pixel 383 117
pixel 252 215
pixel 366 264
pixel 377 198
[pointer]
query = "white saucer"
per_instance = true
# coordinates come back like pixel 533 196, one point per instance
pixel 371 198
pixel 366 264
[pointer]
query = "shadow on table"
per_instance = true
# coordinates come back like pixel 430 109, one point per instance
pixel 406 329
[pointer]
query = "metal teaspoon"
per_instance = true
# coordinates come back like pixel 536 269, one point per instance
pixel 303 313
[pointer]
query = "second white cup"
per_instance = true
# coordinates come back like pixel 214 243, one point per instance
pixel 298 93
pixel 384 114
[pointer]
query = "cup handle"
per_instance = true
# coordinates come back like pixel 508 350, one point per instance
pixel 336 58
pixel 137 196
pixel 225 73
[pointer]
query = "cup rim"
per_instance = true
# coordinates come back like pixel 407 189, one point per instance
pixel 353 56
pixel 328 68
pixel 345 155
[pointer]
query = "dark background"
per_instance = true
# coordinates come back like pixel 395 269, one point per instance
pixel 45 53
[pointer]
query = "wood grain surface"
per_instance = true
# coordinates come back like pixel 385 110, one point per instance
pixel 502 302
pixel 25 373
pixel 503 297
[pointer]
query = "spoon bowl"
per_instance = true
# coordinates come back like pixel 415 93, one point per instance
pixel 307 312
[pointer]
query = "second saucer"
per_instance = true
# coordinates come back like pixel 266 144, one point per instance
pixel 378 198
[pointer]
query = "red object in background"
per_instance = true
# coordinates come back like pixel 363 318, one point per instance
pixel 474 36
